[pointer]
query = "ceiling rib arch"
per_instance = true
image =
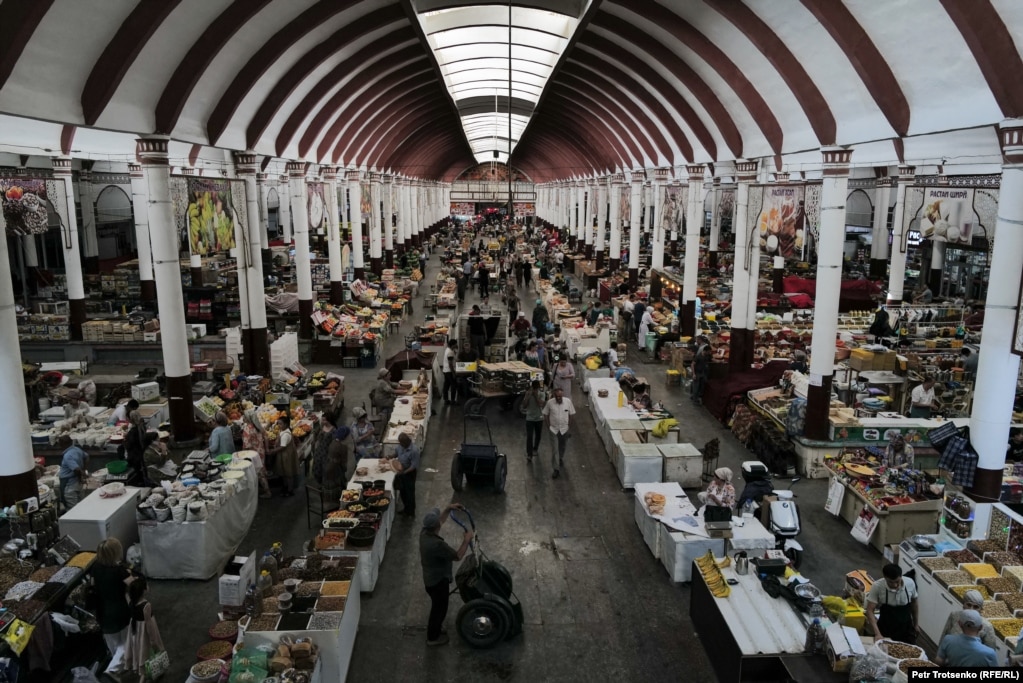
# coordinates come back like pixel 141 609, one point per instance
pixel 599 127
pixel 640 146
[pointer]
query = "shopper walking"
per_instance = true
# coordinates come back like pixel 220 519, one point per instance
pixel 478 331
pixel 484 281
pixel 330 458
pixel 701 370
pixel 450 392
pixel 540 318
pixel 557 414
pixel 112 613
pixel 564 373
pixel 287 456
pixel 143 634
pixel 405 462
pixel 437 559
pixel 254 440
pixel 532 407
pixel 627 326
pixel 638 311
pixel 72 472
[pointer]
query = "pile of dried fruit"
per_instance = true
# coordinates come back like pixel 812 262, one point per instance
pixel 1007 628
pixel 26 610
pixel 215 649
pixel 207 670
pixel 336 588
pixel 995 609
pixel 937 564
pixel 999 585
pixel 905 664
pixel 307 589
pixel 900 650
pixel 265 622
pixel 1003 559
pixel 954 578
pixel 224 630
pixel 1013 600
pixel 81 560
pixel 271 604
pixel 980 570
pixel 43 574
pixel 998 530
pixel 961 556
pixel 979 547
pixel 333 603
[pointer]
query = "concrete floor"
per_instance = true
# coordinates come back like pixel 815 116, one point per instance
pixel 606 613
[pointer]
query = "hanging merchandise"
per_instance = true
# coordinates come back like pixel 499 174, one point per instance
pixel 865 525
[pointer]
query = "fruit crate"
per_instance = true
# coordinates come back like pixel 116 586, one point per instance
pixel 350 362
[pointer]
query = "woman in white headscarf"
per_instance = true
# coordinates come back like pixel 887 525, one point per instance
pixel 254 439
pixel 720 491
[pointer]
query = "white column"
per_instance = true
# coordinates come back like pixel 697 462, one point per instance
pixel 250 271
pixel 741 342
pixel 303 272
pixel 937 266
pixel 831 238
pixel 660 183
pixel 617 186
pixel 140 208
pixel 90 242
pixel 998 367
pixel 635 226
pixel 388 216
pixel 28 246
pixel 264 215
pixel 284 208
pixel 355 214
pixel 17 470
pixel 694 222
pixel 582 236
pixel 715 223
pixel 152 153
pixel 879 232
pixel 72 254
pixel 333 236
pixel 406 209
pixel 375 252
pixel 897 269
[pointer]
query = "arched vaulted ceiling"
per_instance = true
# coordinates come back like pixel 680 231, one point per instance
pixel 421 87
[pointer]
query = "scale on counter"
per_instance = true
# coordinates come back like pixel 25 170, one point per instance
pixel 918 546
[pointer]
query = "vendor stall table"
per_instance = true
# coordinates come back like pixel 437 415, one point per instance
pixel 639 463
pixel 371 558
pixel 199 550
pixel 402 413
pixel 749 634
pixel 96 518
pixel 606 412
pixel 575 338
pixel 683 462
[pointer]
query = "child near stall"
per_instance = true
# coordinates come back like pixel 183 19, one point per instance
pixel 143 634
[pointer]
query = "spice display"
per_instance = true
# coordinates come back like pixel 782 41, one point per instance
pixel 954 578
pixel 215 649
pixel 203 671
pixel 905 664
pixel 27 610
pixel 307 589
pixel 982 546
pixel 332 603
pixel 1007 628
pixel 338 573
pixel 1002 559
pixel 43 574
pixel 998 529
pixel 1015 573
pixel 1013 600
pixel 937 564
pixel 995 609
pixel 23 590
pixel 48 591
pixel 224 630
pixel 287 573
pixel 266 622
pixel 901 650
pixel 325 621
pixel 960 591
pixel 81 560
pixel 271 604
pixel 66 575
pixel 979 570
pixel 961 556
pixel 1015 536
pixel 999 584
pixel 295 621
pixel 336 588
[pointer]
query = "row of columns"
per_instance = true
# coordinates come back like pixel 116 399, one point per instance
pixel 998 366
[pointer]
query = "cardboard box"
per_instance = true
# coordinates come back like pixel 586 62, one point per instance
pixel 151 336
pixel 843 644
pixel 232 587
pixel 721 533
pixel 891 553
pixel 145 391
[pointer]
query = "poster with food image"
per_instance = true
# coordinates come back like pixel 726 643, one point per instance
pixel 316 205
pixel 673 209
pixel 782 220
pixel 211 216
pixel 24 205
pixel 947 215
pixel 624 205
pixel 463 208
pixel 367 198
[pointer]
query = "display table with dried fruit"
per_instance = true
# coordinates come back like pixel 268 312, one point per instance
pixel 217 519
pixel 411 413
pixel 371 475
pixel 901 513
pixel 746 632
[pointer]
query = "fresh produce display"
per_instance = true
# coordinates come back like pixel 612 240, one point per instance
pixel 712 576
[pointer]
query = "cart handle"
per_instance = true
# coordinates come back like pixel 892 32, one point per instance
pixel 469 523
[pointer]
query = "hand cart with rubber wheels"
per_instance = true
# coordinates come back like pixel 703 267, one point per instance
pixel 478 461
pixel 491 613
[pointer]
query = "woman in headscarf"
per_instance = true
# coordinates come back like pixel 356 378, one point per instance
pixel 974 600
pixel 383 394
pixel 564 373
pixel 330 458
pixel 898 453
pixel 720 491
pixel 287 456
pixel 254 439
pixel 364 436
pixel 645 323
pixel 540 318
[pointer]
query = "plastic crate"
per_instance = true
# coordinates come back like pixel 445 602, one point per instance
pixel 352 362
pixel 367 362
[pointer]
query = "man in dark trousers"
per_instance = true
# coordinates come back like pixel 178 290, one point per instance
pixel 437 559
pixel 478 332
pixel 701 369
pixel 637 316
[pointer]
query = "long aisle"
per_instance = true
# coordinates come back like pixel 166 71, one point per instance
pixel 597 605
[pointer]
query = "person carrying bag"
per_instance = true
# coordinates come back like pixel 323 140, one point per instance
pixel 144 653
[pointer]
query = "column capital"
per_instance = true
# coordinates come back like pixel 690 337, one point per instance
pixel 261 177
pixel 836 160
pixel 328 172
pixel 152 150
pixel 296 169
pixel 637 177
pixel 781 178
pixel 662 175
pixel 716 182
pixel 695 171
pixel 746 170
pixel 884 181
pixel 62 166
pixel 907 174
pixel 188 170
pixel 282 179
pixel 1010 135
pixel 618 179
pixel 135 170
pixel 244 159
pixel 386 178
pixel 85 177
pixel 352 175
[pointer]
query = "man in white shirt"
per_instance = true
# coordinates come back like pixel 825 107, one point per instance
pixel 450 380
pixel 627 328
pixel 120 413
pixel 612 359
pixel 556 414
pixel 922 399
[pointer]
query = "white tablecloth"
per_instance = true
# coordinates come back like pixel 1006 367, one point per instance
pixel 373 557
pixel 403 413
pixel 759 623
pixel 198 550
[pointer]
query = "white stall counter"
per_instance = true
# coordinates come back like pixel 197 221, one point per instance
pixel 96 518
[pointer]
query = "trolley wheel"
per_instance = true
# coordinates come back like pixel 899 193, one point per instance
pixel 456 472
pixel 474 406
pixel 500 473
pixel 482 623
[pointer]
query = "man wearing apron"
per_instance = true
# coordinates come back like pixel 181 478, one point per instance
pixel 922 399
pixel 897 598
